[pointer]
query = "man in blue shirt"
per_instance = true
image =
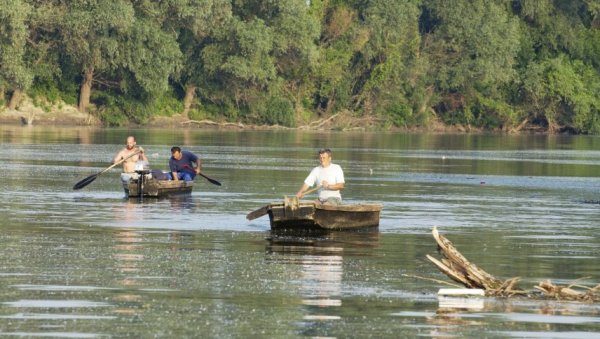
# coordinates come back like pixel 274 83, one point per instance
pixel 182 164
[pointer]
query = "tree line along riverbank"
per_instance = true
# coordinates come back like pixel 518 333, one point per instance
pixel 505 66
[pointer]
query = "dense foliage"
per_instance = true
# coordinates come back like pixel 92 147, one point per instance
pixel 492 64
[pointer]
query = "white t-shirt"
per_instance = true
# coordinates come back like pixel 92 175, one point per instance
pixel 333 174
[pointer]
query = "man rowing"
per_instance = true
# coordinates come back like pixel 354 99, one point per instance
pixel 328 176
pixel 184 165
pixel 129 164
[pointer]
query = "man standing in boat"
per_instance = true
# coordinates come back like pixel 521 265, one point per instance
pixel 182 164
pixel 129 163
pixel 329 177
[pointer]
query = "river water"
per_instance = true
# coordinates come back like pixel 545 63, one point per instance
pixel 91 264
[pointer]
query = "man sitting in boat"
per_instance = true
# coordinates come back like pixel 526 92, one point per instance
pixel 328 176
pixel 184 165
pixel 129 165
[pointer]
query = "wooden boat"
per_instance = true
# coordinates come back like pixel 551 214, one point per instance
pixel 146 186
pixel 311 215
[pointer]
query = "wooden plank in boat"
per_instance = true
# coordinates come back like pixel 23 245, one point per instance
pixel 258 212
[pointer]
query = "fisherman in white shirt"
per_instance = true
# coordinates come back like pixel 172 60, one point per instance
pixel 329 177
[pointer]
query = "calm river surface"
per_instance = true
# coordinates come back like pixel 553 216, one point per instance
pixel 91 264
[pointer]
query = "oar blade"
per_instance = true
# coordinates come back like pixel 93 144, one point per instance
pixel 81 184
pixel 212 181
pixel 91 178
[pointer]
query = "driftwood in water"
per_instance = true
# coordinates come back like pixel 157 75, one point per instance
pixel 458 268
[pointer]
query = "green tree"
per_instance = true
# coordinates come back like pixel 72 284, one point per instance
pixel 341 38
pixel 473 47
pixel 389 71
pixel 264 51
pixel 239 62
pixel 560 64
pixel 89 36
pixel 148 51
pixel 196 23
pixel 564 94
pixel 111 42
pixel 297 29
pixel 14 73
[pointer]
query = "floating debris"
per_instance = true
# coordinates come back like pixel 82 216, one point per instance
pixel 458 268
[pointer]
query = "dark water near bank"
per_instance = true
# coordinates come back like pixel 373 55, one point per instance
pixel 90 263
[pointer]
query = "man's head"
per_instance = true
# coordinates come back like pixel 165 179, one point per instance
pixel 176 152
pixel 130 142
pixel 325 157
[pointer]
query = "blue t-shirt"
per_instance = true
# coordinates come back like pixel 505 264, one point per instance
pixel 185 164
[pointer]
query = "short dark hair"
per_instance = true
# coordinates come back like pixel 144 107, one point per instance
pixel 325 150
pixel 175 149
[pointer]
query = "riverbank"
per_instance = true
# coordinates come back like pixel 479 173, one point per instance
pixel 53 115
pixel 71 117
pixel 63 115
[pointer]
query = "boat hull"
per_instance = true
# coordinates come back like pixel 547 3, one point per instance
pixel 324 217
pixel 151 188
pixel 347 216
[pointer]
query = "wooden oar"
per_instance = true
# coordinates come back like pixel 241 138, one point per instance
pixel 81 184
pixel 212 181
pixel 311 190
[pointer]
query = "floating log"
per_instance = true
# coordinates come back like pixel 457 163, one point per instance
pixel 454 265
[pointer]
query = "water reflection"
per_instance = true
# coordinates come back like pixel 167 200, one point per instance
pixel 164 213
pixel 543 317
pixel 127 260
pixel 182 202
pixel 176 202
pixel 322 243
pixel 321 260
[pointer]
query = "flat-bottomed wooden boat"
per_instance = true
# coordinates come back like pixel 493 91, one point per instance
pixel 311 215
pixel 147 187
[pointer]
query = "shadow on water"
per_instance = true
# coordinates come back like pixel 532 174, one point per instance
pixel 176 202
pixel 322 242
